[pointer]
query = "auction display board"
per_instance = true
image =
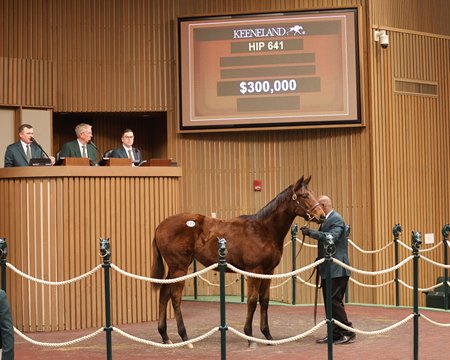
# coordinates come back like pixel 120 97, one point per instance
pixel 269 70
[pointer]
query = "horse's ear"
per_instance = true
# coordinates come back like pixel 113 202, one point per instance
pixel 298 184
pixel 306 181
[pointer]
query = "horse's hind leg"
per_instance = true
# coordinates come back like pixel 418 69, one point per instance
pixel 164 296
pixel 264 297
pixel 176 295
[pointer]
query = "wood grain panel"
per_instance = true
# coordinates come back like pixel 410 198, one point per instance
pixel 409 159
pixel 27 82
pixel 95 204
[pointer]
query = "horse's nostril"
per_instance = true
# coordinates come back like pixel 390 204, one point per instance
pixel 322 217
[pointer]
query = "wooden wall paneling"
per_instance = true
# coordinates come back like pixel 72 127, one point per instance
pixel 127 62
pixel 412 144
pixel 42 213
pixel 151 309
pixel 414 15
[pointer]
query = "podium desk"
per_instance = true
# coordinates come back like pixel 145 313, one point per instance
pixel 53 218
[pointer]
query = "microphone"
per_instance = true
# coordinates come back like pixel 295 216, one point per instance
pixel 40 147
pixel 96 149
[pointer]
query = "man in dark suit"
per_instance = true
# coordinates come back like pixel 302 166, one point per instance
pixel 334 225
pixel 82 146
pixel 6 329
pixel 127 150
pixel 20 153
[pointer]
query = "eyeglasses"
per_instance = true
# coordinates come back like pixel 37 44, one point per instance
pixel 128 137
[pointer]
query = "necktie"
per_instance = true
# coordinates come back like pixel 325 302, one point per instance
pixel 130 155
pixel 84 151
pixel 28 153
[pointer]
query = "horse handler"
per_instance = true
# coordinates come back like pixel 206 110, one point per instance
pixel 334 225
pixel 6 329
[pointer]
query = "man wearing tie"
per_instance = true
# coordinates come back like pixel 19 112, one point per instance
pixel 20 153
pixel 82 146
pixel 127 150
pixel 334 227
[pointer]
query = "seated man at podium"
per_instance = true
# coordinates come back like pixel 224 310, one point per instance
pixel 82 146
pixel 127 150
pixel 21 152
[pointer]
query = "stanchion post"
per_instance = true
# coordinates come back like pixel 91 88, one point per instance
pixel 195 280
pixel 396 230
pixel 242 288
pixel 222 249
pixel 3 254
pixel 416 242
pixel 294 230
pixel 105 252
pixel 347 235
pixel 330 249
pixel 445 231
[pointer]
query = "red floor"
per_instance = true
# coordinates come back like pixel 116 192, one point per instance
pixel 285 321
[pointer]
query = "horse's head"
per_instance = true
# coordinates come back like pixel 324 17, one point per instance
pixel 306 205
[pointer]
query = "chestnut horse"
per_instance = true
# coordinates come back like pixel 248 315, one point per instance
pixel 254 243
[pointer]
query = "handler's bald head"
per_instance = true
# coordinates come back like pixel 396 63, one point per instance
pixel 325 203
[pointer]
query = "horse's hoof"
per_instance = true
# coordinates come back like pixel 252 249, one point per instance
pixel 189 346
pixel 252 345
pixel 168 342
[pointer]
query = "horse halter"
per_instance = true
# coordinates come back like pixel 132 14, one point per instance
pixel 307 211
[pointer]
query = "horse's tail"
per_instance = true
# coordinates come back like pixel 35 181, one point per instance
pixel 158 269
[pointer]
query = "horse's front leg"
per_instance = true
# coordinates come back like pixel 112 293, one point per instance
pixel 264 298
pixel 176 295
pixel 252 300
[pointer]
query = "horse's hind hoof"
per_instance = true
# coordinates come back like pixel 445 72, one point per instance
pixel 252 345
pixel 189 346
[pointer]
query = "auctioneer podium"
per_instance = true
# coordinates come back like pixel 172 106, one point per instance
pixel 53 218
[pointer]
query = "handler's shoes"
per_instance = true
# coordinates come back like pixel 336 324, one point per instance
pixel 323 340
pixel 345 339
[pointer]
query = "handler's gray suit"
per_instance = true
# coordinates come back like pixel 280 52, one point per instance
pixel 335 225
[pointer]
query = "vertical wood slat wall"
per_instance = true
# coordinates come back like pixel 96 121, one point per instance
pixel 54 231
pixel 120 56
pixel 410 134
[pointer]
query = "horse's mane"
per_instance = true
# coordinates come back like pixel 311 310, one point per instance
pixel 269 209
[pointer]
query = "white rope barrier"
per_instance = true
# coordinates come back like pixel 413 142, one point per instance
pixel 369 251
pixel 430 249
pixel 245 273
pixel 299 279
pixel 167 346
pixel 434 322
pixel 400 264
pixel 375 332
pixel 56 283
pixel 163 281
pixel 60 344
pixel 276 276
pixel 372 285
pixel 435 263
pixel 280 284
pixel 217 285
pixel 306 244
pixel 277 342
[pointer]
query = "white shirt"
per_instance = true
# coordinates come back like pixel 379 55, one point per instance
pixel 127 151
pixel 81 148
pixel 24 146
